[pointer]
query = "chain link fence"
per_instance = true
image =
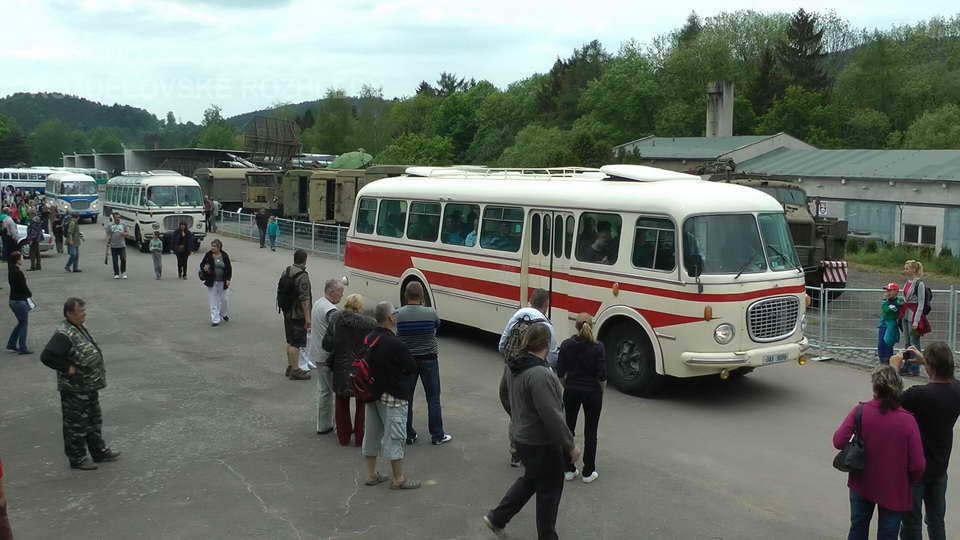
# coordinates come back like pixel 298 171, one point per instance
pixel 845 327
pixel 327 240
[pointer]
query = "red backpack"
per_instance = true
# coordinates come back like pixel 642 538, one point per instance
pixel 361 380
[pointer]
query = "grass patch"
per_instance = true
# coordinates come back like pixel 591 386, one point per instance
pixel 891 258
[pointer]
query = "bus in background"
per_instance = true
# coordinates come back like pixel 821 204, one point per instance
pixel 683 277
pixel 155 201
pixel 75 194
pixel 33 180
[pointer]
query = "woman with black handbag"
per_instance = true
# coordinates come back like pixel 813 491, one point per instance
pixel 182 244
pixel 216 273
pixel 893 458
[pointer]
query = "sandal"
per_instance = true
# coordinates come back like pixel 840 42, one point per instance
pixel 380 479
pixel 407 484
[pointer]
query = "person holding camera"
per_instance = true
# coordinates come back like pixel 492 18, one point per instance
pixel 936 406
pixel 894 458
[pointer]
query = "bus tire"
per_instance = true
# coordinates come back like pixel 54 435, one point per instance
pixel 426 293
pixel 139 240
pixel 94 219
pixel 631 364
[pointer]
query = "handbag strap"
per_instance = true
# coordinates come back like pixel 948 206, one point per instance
pixel 858 425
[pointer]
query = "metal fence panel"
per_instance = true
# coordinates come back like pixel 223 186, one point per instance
pixel 313 237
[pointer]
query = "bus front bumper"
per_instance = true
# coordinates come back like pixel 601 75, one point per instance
pixel 765 356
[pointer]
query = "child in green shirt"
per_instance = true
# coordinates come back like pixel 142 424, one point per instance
pixel 889 328
pixel 156 249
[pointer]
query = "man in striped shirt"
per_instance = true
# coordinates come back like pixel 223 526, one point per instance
pixel 417 327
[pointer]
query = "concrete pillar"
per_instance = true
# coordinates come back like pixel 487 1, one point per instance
pixel 720 108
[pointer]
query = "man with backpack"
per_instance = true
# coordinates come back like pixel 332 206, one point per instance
pixel 294 300
pixel 390 367
pixel 511 343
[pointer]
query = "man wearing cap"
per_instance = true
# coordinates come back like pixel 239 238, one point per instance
pixel 889 329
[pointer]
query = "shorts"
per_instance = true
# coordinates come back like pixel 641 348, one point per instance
pixel 384 431
pixel 295 332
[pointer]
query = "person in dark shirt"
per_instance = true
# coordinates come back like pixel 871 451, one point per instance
pixel 582 366
pixel 936 406
pixel 19 303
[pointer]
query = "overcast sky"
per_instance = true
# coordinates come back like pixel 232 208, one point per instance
pixel 182 55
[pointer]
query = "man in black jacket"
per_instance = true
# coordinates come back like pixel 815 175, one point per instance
pixel 385 425
pixel 262 219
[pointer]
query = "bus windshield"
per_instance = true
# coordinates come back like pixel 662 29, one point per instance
pixel 78 188
pixel 722 244
pixel 777 241
pixel 162 196
pixel 189 196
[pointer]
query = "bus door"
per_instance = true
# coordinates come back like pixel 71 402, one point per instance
pixel 550 251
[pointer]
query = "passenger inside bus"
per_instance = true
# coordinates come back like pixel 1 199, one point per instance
pixel 588 233
pixel 502 239
pixel 452 228
pixel 471 238
pixel 605 245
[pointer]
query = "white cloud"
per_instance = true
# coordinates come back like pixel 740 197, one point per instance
pixel 182 55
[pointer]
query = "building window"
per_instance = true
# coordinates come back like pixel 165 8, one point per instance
pixel 920 234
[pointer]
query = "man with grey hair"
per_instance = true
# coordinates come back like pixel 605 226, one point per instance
pixel 391 366
pixel 323 315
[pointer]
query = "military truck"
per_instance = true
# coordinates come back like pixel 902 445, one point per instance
pixel 262 191
pixel 821 242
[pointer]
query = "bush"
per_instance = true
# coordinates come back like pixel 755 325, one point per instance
pixel 872 246
pixel 926 252
pixel 946 253
pixel 853 246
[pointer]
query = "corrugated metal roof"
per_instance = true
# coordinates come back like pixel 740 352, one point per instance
pixel 939 165
pixel 691 147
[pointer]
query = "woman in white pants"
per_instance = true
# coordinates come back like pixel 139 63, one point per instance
pixel 215 272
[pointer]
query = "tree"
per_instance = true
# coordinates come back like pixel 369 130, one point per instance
pixel 370 128
pixel 937 129
pixel 560 91
pixel 49 142
pixel 333 125
pixel 626 97
pixel 171 119
pixel 792 114
pixel 681 120
pixel 690 31
pixel 416 149
pixel 216 132
pixel 107 140
pixel 539 146
pixel 868 128
pixel 448 84
pixel 768 85
pixel 801 54
pixel 79 142
pixel 13 145
pixel 424 88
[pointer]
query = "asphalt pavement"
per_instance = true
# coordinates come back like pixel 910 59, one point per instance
pixel 218 444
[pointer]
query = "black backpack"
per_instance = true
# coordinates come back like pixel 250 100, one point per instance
pixel 513 348
pixel 927 299
pixel 287 290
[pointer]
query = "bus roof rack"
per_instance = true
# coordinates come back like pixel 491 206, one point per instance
pixel 641 173
pixel 546 173
pixel 149 173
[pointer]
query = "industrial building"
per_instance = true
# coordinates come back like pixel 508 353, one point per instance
pixel 182 160
pixel 690 154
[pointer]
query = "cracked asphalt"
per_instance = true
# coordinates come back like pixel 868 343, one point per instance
pixel 217 444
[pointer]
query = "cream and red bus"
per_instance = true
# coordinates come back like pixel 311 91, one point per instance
pixel 684 277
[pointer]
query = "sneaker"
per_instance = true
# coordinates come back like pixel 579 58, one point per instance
pixel 124 276
pixel 442 440
pixel 412 440
pixel 287 372
pixel 226 319
pixel 214 324
pixel 570 475
pixel 106 455
pixel 299 375
pixel 593 476
pixel 514 459
pixel 67 270
pixel 83 465
pixel 498 531
pixel 116 276
pixel 78 270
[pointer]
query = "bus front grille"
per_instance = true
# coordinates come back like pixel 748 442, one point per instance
pixel 80 205
pixel 773 319
pixel 171 223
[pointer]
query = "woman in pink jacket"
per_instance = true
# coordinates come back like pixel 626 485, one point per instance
pixel 894 459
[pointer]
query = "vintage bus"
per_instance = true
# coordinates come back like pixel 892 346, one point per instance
pixel 684 277
pixel 74 193
pixel 155 201
pixel 33 180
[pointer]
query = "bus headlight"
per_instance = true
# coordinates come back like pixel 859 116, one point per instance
pixel 724 333
pixel 94 205
pixel 803 324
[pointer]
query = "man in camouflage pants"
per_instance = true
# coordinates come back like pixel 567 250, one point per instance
pixel 78 360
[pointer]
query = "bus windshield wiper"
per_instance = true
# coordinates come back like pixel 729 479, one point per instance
pixel 753 256
pixel 784 257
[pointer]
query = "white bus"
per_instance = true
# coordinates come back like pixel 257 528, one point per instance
pixel 155 200
pixel 684 277
pixel 33 180
pixel 74 193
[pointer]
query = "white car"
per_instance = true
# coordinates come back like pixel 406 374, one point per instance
pixel 46 244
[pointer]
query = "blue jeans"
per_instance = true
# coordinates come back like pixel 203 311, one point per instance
pixel 933 495
pixel 73 258
pixel 912 338
pixel 861 512
pixel 884 351
pixel 18 338
pixel 428 371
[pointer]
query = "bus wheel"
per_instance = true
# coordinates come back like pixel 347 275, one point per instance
pixel 426 294
pixel 94 219
pixel 139 240
pixel 631 364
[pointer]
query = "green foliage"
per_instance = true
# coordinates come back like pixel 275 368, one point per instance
pixel 625 97
pixel 792 114
pixel 370 129
pixel 415 149
pixel 853 246
pixel 106 140
pixel 13 145
pixel 332 130
pixel 935 129
pixel 892 257
pixel 559 94
pixel 868 128
pixel 539 146
pixel 801 54
pixel 872 246
pixel 48 143
pixel 216 132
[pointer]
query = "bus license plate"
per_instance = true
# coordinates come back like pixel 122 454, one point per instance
pixel 775 358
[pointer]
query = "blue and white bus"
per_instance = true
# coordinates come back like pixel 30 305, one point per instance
pixel 74 193
pixel 29 180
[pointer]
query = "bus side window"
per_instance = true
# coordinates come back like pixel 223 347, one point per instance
pixel 143 197
pixel 598 240
pixel 366 215
pixel 568 241
pixel 502 228
pixel 424 221
pixel 393 218
pixel 535 235
pixel 655 244
pixel 546 235
pixel 558 236
pixel 460 224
